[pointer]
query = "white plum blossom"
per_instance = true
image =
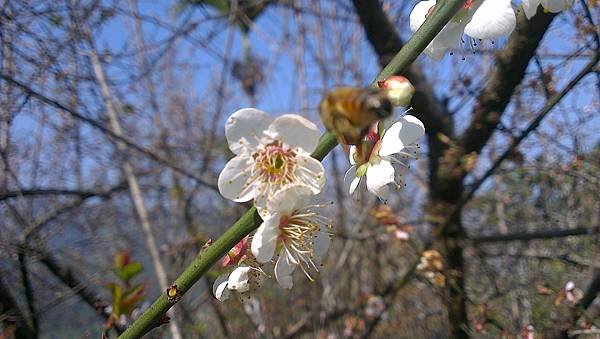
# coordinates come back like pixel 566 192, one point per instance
pixel 244 278
pixel 269 155
pixel 239 282
pixel 479 19
pixel 385 151
pixel 554 6
pixel 296 230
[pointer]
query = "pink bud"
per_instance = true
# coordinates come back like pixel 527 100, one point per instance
pixel 235 254
pixel 400 90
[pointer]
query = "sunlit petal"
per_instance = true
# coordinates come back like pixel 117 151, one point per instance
pixel 245 127
pixel 234 180
pixel 295 131
pixel 406 131
pixel 238 279
pixel 283 271
pixel 378 177
pixel 492 19
pixel 220 290
pixel 265 239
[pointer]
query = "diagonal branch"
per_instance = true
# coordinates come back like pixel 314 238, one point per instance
pixel 386 42
pixel 502 81
pixel 544 234
pixel 107 131
pixel 251 220
pixel 10 312
pixel 35 192
pixel 72 279
pixel 553 101
pixel 134 188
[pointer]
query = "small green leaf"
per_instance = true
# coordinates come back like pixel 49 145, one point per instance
pixel 116 293
pixel 129 271
pixel 132 298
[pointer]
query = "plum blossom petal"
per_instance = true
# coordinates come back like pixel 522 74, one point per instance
pixel 492 19
pixel 289 198
pixel 351 153
pixel 483 19
pixel 530 7
pixel 401 134
pixel 233 180
pixel 354 185
pixel 322 242
pixel 419 13
pixel 245 278
pixel 284 268
pixel 310 172
pixel 555 6
pixel 238 279
pixel 295 131
pixel 220 290
pixel 449 36
pixel 244 128
pixel 351 181
pixel 265 239
pixel 378 177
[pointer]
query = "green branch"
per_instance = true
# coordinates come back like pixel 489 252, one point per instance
pixel 443 12
pixel 151 318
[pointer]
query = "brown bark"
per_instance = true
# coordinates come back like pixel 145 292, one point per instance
pixel 451 157
pixel 10 309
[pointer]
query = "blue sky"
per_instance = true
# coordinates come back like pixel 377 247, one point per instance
pixel 274 42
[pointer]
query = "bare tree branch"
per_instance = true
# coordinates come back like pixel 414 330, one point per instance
pixel 98 125
pixel 10 313
pixel 511 64
pixel 36 192
pixel 136 194
pixel 545 234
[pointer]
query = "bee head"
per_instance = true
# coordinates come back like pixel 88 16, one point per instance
pixel 379 103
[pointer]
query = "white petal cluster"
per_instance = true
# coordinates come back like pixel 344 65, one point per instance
pixel 479 19
pixel 273 166
pixel 270 154
pixel 383 163
pixel 242 279
pixel 296 230
pixel 554 6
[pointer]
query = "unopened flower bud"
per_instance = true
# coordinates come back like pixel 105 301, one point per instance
pixel 400 90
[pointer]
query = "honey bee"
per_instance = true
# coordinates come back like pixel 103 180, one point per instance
pixel 350 111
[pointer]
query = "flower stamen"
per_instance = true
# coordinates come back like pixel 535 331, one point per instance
pixel 298 232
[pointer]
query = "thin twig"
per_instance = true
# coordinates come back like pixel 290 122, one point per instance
pixel 98 125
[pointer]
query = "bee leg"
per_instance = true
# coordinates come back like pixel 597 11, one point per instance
pixel 346 133
pixel 362 149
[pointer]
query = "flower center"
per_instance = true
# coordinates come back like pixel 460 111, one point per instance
pixel 275 164
pixel 368 148
pixel 298 232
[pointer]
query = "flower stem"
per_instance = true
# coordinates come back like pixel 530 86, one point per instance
pixel 442 13
pixel 151 318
